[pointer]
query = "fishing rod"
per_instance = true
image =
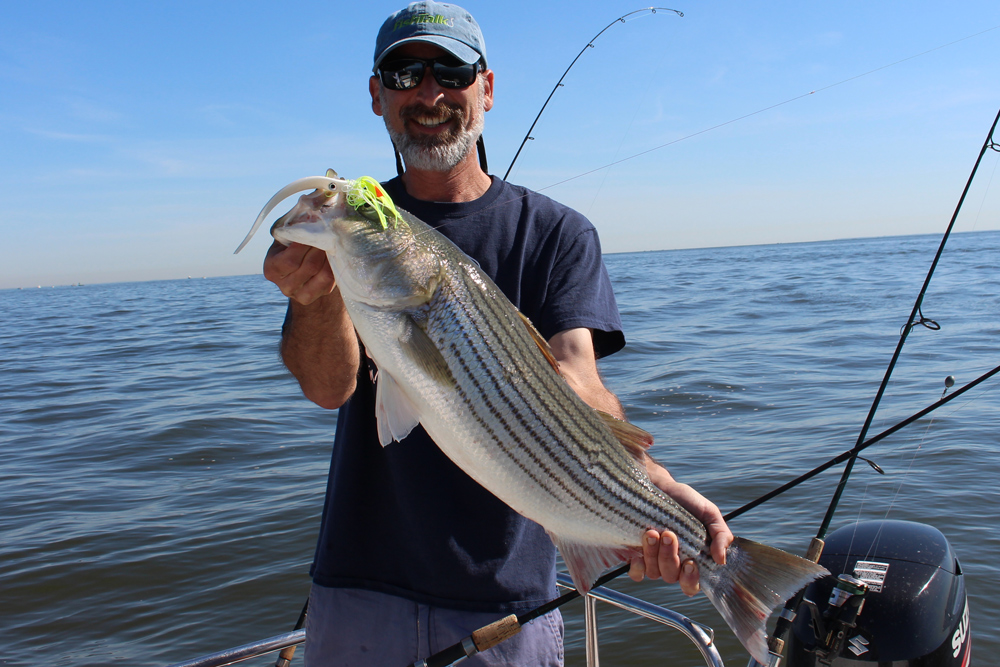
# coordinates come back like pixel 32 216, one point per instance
pixel 286 655
pixel 590 45
pixel 784 623
pixel 499 631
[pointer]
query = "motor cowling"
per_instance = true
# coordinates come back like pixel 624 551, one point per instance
pixel 896 597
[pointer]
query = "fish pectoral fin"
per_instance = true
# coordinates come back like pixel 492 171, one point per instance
pixel 542 344
pixel 395 414
pixel 420 349
pixel 587 562
pixel 632 438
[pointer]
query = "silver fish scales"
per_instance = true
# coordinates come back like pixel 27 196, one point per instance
pixel 454 355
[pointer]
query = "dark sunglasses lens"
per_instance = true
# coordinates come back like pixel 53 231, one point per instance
pixel 407 74
pixel 402 75
pixel 457 76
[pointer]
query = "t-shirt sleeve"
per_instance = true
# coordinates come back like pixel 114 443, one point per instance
pixel 579 293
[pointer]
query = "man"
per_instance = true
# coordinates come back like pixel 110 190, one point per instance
pixel 413 555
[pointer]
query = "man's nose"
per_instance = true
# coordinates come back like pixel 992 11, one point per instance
pixel 429 92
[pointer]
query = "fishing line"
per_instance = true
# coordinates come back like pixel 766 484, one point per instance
pixel 621 143
pixel 909 468
pixel 996 147
pixel 873 547
pixel 857 522
pixel 906 474
pixel 635 114
pixel 864 498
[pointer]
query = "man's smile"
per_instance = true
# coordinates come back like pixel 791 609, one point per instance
pixel 424 121
pixel 430 123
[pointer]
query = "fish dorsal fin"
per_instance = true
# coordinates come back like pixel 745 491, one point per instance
pixel 395 414
pixel 633 439
pixel 542 344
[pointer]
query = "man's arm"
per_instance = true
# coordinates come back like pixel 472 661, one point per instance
pixel 319 346
pixel 574 350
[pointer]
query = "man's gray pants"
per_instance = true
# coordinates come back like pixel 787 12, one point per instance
pixel 349 627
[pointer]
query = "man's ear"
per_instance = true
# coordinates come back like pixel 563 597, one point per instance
pixel 488 90
pixel 373 84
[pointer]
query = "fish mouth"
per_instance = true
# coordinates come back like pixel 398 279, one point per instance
pixel 327 185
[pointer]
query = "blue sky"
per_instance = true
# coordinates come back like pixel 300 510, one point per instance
pixel 140 140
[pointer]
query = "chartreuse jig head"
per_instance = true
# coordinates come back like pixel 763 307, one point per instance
pixel 366 191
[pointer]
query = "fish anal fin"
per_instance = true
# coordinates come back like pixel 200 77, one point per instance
pixel 542 344
pixel 587 562
pixel 635 441
pixel 421 350
pixel 395 414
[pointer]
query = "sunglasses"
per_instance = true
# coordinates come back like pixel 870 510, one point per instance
pixel 407 73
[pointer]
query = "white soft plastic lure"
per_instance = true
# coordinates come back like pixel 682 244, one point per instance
pixel 330 183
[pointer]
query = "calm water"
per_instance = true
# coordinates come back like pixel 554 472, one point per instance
pixel 162 477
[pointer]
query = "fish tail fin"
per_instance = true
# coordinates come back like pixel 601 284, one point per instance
pixel 754 581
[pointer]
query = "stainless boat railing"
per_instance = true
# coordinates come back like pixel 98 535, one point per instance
pixel 247 651
pixel 701 636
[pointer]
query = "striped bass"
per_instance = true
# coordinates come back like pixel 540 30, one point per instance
pixel 454 355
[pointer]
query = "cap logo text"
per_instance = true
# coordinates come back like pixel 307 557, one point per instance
pixel 423 18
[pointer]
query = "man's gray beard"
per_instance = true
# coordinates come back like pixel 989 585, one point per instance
pixel 438 153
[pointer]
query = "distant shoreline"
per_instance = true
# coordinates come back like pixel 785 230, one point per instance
pixel 84 282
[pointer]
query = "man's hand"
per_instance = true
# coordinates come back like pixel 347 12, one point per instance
pixel 318 345
pixel 660 558
pixel 301 272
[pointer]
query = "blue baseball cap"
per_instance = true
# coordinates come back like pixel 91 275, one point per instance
pixel 448 26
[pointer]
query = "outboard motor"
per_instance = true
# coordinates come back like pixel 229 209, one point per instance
pixel 899 600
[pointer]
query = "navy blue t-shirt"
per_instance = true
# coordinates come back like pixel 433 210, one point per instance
pixel 404 519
